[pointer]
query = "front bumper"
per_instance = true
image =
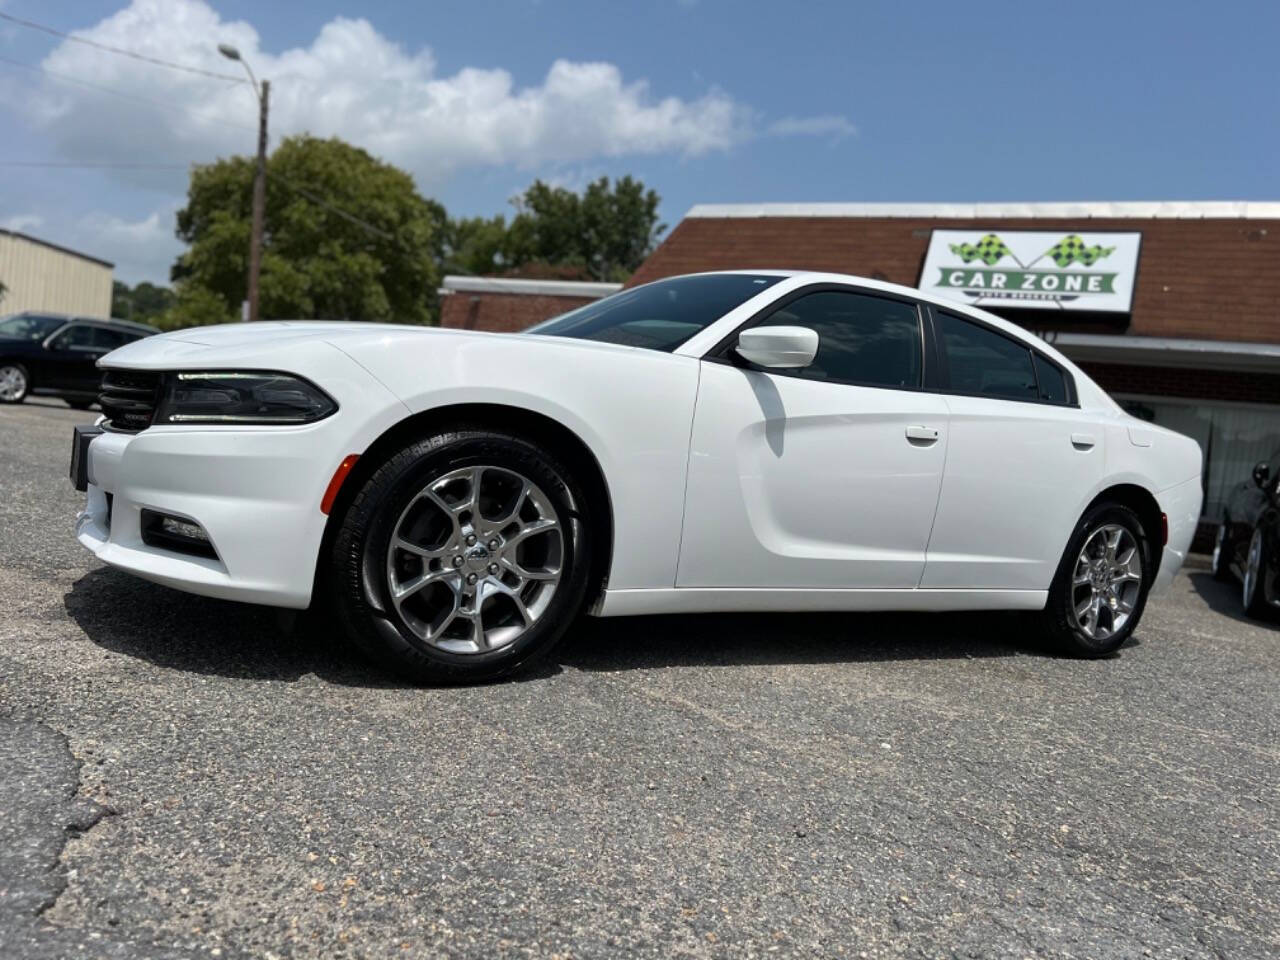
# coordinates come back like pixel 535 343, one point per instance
pixel 256 494
pixel 1181 505
pixel 256 491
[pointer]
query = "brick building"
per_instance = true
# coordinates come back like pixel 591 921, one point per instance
pixel 504 305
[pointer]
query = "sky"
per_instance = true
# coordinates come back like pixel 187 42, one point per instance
pixel 706 101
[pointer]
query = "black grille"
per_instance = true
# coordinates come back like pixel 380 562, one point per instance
pixel 129 399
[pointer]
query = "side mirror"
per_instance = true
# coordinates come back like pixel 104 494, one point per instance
pixel 781 348
pixel 1261 474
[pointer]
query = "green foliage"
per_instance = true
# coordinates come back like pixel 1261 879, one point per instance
pixel 346 237
pixel 603 233
pixel 143 303
pixel 608 230
pixel 3 291
pixel 349 237
pixel 195 306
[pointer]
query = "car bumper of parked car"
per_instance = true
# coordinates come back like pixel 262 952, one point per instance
pixel 1181 507
pixel 154 499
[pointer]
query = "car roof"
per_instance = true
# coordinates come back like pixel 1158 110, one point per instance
pixel 132 325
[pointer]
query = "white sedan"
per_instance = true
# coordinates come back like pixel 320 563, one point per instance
pixel 739 441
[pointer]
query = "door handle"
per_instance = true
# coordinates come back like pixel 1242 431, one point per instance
pixel 1083 441
pixel 921 434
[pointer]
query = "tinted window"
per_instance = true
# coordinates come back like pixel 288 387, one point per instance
pixel 29 326
pixel 861 339
pixel 661 315
pixel 983 362
pixel 108 339
pixel 77 336
pixel 1053 382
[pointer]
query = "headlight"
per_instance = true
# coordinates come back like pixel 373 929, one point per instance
pixel 220 396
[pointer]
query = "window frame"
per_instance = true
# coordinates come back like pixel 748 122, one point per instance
pixel 931 311
pixel 723 351
pixel 935 375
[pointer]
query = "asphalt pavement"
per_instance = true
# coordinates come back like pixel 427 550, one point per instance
pixel 182 777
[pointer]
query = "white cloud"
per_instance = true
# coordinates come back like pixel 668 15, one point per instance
pixel 140 249
pixel 354 83
pixel 22 222
pixel 351 82
pixel 827 124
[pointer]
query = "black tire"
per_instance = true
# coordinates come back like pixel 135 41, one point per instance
pixel 1257 584
pixel 358 561
pixel 13 368
pixel 1059 618
pixel 80 404
pixel 1222 546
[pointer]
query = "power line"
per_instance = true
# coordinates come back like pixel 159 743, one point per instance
pixel 168 105
pixel 132 54
pixel 96 166
pixel 335 210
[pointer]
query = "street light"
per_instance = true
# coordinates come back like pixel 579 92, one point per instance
pixel 263 92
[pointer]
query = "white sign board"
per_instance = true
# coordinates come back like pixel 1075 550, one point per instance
pixel 1058 270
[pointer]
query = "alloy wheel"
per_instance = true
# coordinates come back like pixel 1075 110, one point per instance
pixel 13 383
pixel 475 559
pixel 1106 582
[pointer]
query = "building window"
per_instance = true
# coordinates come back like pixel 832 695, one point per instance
pixel 1234 437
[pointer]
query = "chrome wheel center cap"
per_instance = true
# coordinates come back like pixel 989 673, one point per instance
pixel 478 557
pixel 1098 575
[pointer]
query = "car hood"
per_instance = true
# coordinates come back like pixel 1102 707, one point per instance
pixel 271 344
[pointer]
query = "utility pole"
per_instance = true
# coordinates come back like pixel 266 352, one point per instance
pixel 259 203
pixel 263 93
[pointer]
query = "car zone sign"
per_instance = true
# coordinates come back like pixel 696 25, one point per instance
pixel 1031 270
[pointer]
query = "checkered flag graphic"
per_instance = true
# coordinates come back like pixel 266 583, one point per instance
pixel 1072 249
pixel 989 250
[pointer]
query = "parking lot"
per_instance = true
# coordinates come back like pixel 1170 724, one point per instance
pixel 187 777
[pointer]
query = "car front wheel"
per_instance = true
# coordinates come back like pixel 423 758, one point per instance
pixel 14 382
pixel 463 558
pixel 1099 592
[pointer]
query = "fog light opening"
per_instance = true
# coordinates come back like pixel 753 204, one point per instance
pixel 178 534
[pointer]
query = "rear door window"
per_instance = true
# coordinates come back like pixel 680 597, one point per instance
pixel 984 363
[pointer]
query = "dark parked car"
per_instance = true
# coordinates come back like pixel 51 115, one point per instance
pixel 1248 541
pixel 47 354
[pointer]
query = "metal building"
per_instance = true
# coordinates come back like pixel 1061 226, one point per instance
pixel 41 276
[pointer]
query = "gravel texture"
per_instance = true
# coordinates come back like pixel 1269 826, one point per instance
pixel 186 777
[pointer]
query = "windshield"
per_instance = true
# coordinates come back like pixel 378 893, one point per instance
pixel 27 326
pixel 660 315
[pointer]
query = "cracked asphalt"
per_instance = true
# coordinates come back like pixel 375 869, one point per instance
pixel 182 777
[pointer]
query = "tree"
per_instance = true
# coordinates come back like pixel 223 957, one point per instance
pixel 143 303
pixel 608 230
pixel 347 237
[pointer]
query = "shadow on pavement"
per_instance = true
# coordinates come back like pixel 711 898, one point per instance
pixel 795 638
pixel 180 631
pixel 1224 597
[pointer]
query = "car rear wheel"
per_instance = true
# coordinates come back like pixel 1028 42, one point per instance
pixel 1221 565
pixel 463 558
pixel 1259 579
pixel 1100 590
pixel 14 382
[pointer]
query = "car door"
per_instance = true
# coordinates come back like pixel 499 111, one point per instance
pixel 824 477
pixel 1021 461
pixel 70 358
